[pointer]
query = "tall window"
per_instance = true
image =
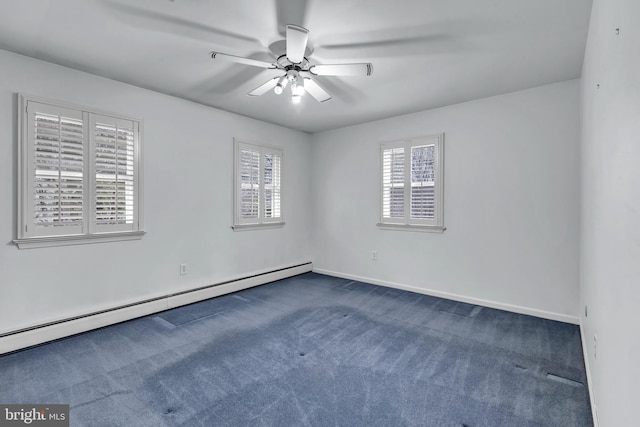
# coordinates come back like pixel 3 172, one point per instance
pixel 412 184
pixel 258 194
pixel 80 177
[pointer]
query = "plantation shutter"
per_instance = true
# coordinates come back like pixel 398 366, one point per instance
pixel 114 145
pixel 258 185
pixel 249 201
pixel 412 182
pixel 272 163
pixel 423 182
pixel 79 175
pixel 393 183
pixel 55 171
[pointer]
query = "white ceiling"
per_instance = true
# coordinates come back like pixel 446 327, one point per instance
pixel 425 53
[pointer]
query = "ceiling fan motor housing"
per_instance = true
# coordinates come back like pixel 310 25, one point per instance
pixel 283 63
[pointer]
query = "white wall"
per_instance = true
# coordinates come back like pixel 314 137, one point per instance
pixel 188 167
pixel 511 202
pixel 610 225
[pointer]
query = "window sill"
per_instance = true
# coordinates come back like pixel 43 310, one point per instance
pixel 407 227
pixel 266 225
pixel 44 242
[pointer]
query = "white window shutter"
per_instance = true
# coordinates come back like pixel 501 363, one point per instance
pixel 114 177
pixel 423 182
pixel 55 171
pixel 258 185
pixel 80 177
pixel 249 201
pixel 412 182
pixel 393 183
pixel 272 163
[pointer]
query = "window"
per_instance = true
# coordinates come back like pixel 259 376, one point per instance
pixel 80 178
pixel 412 184
pixel 258 193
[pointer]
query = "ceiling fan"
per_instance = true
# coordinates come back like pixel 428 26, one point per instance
pixel 296 68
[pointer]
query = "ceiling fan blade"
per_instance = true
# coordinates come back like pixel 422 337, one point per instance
pixel 261 90
pixel 240 60
pixel 151 20
pixel 391 42
pixel 315 90
pixel 297 38
pixel 364 69
pixel 290 12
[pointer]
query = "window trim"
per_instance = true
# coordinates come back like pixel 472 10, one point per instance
pixel 79 239
pixel 88 234
pixel 262 223
pixel 405 223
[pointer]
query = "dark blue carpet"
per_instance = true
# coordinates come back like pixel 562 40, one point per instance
pixel 313 350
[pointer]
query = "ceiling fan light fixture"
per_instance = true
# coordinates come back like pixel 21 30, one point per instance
pixel 297 89
pixel 282 83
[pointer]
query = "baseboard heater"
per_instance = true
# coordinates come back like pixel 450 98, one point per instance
pixel 38 334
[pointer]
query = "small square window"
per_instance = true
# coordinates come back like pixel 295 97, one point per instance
pixel 258 186
pixel 412 184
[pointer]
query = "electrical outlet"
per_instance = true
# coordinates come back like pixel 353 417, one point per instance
pixel 183 269
pixel 374 255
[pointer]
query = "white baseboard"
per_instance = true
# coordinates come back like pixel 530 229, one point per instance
pixel 585 355
pixel 470 300
pixel 65 327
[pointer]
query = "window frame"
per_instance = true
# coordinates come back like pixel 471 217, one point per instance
pixel 242 224
pixel 406 223
pixel 87 232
